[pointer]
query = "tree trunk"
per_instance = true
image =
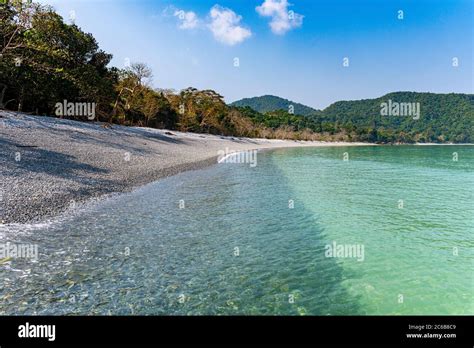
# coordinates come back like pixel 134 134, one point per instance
pixel 2 96
pixel 20 99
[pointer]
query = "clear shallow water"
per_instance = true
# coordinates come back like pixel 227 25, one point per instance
pixel 139 253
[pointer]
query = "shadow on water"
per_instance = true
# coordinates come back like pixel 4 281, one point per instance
pixel 236 248
pixel 292 248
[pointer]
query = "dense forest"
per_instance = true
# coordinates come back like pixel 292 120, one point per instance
pixel 45 61
pixel 268 103
pixel 442 118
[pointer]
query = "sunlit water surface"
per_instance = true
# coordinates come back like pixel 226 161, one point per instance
pixel 252 240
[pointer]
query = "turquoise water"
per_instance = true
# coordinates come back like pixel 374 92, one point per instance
pixel 253 240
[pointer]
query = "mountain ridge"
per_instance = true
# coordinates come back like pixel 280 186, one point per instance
pixel 247 101
pixel 268 102
pixel 437 117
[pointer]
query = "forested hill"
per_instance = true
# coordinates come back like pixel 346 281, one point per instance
pixel 442 117
pixel 268 103
pixel 404 117
pixel 47 63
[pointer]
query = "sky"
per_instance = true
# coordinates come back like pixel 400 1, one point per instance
pixel 314 52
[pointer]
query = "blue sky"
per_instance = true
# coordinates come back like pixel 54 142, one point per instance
pixel 296 55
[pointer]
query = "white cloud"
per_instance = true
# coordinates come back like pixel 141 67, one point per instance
pixel 188 20
pixel 225 26
pixel 222 22
pixel 282 19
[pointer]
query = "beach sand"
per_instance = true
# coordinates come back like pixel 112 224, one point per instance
pixel 48 164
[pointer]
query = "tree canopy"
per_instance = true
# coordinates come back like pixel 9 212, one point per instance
pixel 45 61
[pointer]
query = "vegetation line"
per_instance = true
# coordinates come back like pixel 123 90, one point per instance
pixel 45 62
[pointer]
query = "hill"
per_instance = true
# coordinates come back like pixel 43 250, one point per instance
pixel 404 117
pixel 268 103
pixel 441 118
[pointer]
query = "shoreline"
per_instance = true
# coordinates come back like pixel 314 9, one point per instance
pixel 50 164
